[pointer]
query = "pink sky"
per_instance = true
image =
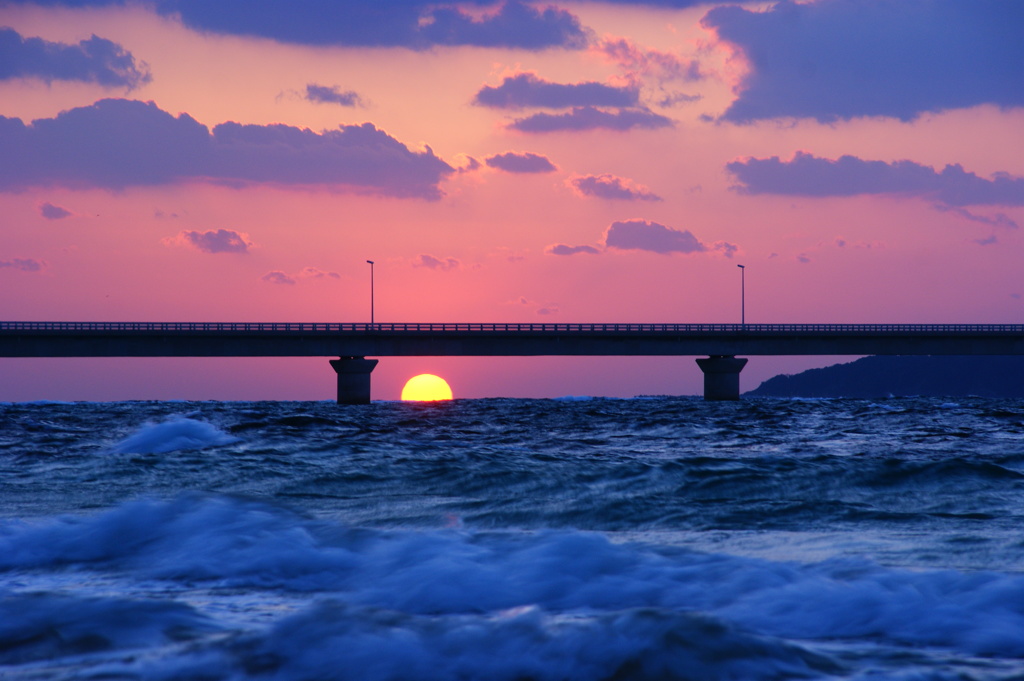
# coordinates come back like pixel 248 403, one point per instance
pixel 181 160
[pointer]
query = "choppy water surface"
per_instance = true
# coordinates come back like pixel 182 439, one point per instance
pixel 652 538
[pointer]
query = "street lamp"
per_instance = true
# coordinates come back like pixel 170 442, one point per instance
pixel 743 294
pixel 370 262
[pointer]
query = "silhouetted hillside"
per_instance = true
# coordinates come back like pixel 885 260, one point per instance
pixel 881 376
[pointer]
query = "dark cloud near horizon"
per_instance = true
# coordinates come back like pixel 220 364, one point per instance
pixel 997 220
pixel 95 60
pixel 434 263
pixel 565 249
pixel 525 90
pixel 118 143
pixel 306 273
pixel 52 212
pixel 216 241
pixel 592 118
pixel 277 277
pixel 843 59
pixel 310 272
pixel 24 264
pixel 322 94
pixel 643 235
pixel 512 162
pixel 808 175
pixel 607 186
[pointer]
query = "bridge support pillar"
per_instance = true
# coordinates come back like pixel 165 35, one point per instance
pixel 353 379
pixel 721 376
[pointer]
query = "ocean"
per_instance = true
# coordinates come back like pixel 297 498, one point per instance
pixel 577 539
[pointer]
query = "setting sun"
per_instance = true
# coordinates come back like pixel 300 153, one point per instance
pixel 426 388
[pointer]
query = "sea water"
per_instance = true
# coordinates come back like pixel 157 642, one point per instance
pixel 575 539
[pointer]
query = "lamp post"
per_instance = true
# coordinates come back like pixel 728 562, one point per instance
pixel 370 262
pixel 743 294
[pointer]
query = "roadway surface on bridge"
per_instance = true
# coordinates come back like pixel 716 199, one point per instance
pixel 255 339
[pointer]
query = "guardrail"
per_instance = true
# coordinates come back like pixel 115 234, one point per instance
pixel 316 327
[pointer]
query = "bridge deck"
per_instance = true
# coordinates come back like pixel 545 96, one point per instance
pixel 262 339
pixel 325 327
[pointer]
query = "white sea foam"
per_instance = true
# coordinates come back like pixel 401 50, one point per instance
pixel 240 544
pixel 176 433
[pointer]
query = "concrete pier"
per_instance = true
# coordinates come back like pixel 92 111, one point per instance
pixel 721 376
pixel 353 379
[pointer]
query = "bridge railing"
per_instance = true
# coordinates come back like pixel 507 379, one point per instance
pixel 322 327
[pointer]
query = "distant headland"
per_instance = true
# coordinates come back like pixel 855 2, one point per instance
pixel 884 376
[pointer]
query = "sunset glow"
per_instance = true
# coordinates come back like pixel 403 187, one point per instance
pixel 561 161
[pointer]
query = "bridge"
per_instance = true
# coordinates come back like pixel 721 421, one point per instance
pixel 352 344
